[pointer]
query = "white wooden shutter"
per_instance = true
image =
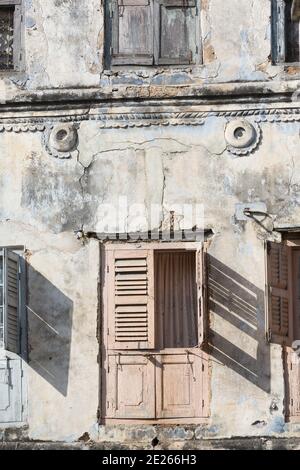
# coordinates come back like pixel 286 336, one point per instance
pixel 202 287
pixel 279 296
pixel 11 302
pixel 130 299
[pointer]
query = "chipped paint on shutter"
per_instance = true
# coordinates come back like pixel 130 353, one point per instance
pixel 176 31
pixel 132 32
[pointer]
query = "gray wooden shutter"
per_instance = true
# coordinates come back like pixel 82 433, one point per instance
pixel 202 286
pixel 130 299
pixel 132 32
pixel 279 28
pixel 279 295
pixel 177 35
pixel 11 302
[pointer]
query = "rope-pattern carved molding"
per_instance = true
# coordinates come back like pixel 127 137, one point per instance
pixel 151 119
pixel 148 119
pixel 17 128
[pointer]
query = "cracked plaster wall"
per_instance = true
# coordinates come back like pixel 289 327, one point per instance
pixel 45 199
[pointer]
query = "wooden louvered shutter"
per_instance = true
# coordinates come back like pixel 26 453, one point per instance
pixel 130 299
pixel 203 314
pixel 132 32
pixel 279 303
pixel 11 302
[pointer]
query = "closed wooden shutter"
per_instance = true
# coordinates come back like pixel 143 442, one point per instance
pixel 11 302
pixel 130 299
pixel 132 32
pixel 176 31
pixel 202 286
pixel 279 296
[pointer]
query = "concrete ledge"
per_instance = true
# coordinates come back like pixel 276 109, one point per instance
pixel 260 443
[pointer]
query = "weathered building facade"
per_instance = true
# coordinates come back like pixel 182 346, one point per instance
pixel 149 219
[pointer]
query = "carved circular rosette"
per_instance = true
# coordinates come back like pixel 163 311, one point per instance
pixel 242 136
pixel 61 140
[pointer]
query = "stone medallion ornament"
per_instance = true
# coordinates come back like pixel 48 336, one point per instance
pixel 61 140
pixel 242 137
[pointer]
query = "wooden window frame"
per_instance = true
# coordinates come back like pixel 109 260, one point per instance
pixel 113 358
pixel 18 57
pixel 279 51
pixel 200 250
pixel 114 60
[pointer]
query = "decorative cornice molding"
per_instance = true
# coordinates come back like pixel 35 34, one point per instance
pixel 137 118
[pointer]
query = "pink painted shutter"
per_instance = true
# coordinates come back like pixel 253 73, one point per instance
pixel 130 299
pixel 203 315
pixel 279 303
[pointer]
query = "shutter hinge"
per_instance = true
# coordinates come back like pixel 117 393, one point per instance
pixel 107 331
pixel 98 414
pixel 203 367
pixel 111 50
pixel 202 403
pixel 269 335
pixel 107 267
pixel 197 49
pixel 108 369
pixel 292 401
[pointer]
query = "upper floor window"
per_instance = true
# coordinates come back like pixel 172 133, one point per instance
pixel 10 34
pixel 286 31
pixel 153 32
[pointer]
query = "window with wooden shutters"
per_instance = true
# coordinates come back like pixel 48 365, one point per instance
pixel 10 34
pixel 153 32
pixel 9 301
pixel 279 295
pixel 130 299
pixel 286 31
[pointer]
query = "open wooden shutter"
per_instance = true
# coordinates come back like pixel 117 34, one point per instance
pixel 11 302
pixel 176 32
pixel 202 288
pixel 130 299
pixel 279 298
pixel 132 32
